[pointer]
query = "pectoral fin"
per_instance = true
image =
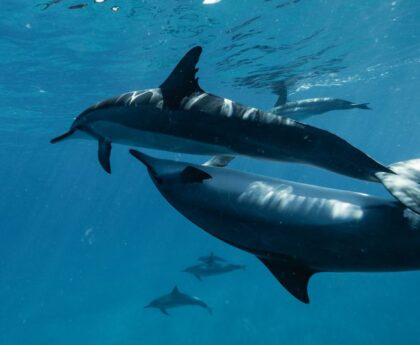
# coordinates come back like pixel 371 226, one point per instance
pixel 104 154
pixel 293 277
pixel 164 311
pixel 219 161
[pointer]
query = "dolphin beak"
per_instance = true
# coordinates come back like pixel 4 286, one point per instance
pixel 147 306
pixel 63 136
pixel 145 159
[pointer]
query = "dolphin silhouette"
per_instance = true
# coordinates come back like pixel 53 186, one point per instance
pixel 306 108
pixel 179 116
pixel 295 229
pixel 175 299
pixel 207 269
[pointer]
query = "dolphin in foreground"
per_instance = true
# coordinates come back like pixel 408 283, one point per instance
pixel 306 108
pixel 179 116
pixel 175 299
pixel 212 269
pixel 295 229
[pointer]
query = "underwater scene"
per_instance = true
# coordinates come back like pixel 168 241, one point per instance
pixel 209 172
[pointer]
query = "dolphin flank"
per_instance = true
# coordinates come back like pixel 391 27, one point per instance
pixel 296 230
pixel 179 116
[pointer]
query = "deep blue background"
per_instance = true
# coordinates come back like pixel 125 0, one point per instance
pixel 82 252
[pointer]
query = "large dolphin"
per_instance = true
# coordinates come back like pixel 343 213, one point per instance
pixel 176 299
pixel 179 116
pixel 211 269
pixel 306 108
pixel 295 229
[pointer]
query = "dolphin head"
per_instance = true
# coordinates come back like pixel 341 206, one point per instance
pixel 153 304
pixel 170 174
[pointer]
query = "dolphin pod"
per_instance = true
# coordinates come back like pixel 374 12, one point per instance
pixel 179 116
pixel 296 230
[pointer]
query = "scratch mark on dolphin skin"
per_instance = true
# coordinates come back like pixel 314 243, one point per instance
pixel 280 197
pixel 227 107
pixel 191 101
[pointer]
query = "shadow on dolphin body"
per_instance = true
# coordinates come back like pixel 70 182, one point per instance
pixel 180 116
pixel 296 230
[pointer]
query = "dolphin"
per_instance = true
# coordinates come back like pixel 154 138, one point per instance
pixel 295 229
pixel 211 258
pixel 306 108
pixel 175 299
pixel 211 269
pixel 179 116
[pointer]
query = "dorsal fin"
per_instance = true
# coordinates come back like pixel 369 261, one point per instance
pixel 194 175
pixel 281 91
pixel 182 81
pixel 175 291
pixel 293 277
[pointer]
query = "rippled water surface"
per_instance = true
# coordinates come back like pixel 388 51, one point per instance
pixel 82 252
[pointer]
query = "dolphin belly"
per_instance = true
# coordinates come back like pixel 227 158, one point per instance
pixel 118 133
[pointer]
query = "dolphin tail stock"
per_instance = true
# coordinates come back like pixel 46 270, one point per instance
pixel 63 136
pixel 362 106
pixel 403 182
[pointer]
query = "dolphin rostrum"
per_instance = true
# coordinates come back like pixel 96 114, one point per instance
pixel 206 269
pixel 179 116
pixel 295 229
pixel 306 108
pixel 176 299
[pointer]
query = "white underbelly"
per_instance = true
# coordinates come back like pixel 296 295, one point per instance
pixel 120 134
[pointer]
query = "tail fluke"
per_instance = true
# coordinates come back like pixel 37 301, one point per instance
pixel 404 184
pixel 362 106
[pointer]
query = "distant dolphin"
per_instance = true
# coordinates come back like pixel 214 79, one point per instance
pixel 295 229
pixel 176 299
pixel 211 269
pixel 306 108
pixel 211 258
pixel 179 116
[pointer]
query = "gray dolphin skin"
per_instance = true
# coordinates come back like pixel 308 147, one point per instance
pixel 207 269
pixel 295 229
pixel 175 299
pixel 306 108
pixel 179 116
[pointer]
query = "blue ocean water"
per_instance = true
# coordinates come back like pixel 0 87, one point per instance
pixel 82 252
